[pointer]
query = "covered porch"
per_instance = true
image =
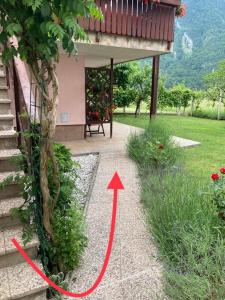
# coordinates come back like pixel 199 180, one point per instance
pixel 130 30
pixel 81 111
pixel 118 143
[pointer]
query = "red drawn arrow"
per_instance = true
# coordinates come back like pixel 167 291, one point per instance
pixel 115 185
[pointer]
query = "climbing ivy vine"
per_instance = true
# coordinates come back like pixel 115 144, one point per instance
pixel 41 28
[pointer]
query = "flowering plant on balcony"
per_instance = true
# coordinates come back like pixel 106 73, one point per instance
pixel 181 10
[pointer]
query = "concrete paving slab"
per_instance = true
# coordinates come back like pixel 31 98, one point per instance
pixel 184 143
pixel 4 285
pixel 119 141
pixel 23 281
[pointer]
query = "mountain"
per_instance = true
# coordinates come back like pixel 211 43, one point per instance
pixel 199 43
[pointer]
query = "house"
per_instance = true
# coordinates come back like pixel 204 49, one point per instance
pixel 131 30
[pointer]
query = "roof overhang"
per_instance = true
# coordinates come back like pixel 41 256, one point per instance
pixel 100 50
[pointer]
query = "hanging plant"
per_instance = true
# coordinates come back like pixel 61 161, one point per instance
pixel 181 11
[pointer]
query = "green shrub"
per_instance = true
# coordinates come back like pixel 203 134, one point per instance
pixel 64 158
pixel 183 220
pixel 69 238
pixel 68 222
pixel 62 253
pixel 208 114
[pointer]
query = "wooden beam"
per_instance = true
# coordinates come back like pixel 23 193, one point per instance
pixel 171 2
pixel 168 2
pixel 155 81
pixel 111 94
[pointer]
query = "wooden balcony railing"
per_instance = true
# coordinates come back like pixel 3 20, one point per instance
pixel 134 18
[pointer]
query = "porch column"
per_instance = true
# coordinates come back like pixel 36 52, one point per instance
pixel 155 81
pixel 111 94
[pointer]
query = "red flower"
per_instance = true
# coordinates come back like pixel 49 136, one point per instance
pixel 181 10
pixel 215 177
pixel 222 170
pixel 161 146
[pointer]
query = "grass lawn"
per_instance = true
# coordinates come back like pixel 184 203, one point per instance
pixel 202 160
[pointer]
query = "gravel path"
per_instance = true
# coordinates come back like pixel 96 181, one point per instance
pixel 134 271
pixel 88 164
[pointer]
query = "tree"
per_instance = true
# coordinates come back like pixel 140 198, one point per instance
pixel 133 85
pixel 140 81
pixel 163 94
pixel 216 84
pixel 180 96
pixel 41 27
pixel 123 97
pixel 123 93
pixel 122 74
pixel 197 96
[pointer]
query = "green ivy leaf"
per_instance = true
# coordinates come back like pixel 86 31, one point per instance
pixel 45 10
pixel 55 29
pixel 34 4
pixel 14 29
pixel 30 21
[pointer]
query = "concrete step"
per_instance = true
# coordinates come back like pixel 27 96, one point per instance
pixel 8 139
pixel 6 217
pixel 9 256
pixel 3 91
pixel 21 282
pixel 2 68
pixel 7 163
pixel 6 121
pixel 12 190
pixel 4 175
pixel 3 80
pixel 2 72
pixel 5 106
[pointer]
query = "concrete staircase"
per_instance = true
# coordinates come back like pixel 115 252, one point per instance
pixel 17 279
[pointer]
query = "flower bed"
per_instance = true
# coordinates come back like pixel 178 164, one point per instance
pixel 218 192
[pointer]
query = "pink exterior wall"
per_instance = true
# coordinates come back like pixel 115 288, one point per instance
pixel 71 75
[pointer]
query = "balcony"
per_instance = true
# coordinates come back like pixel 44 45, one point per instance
pixel 130 30
pixel 133 18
